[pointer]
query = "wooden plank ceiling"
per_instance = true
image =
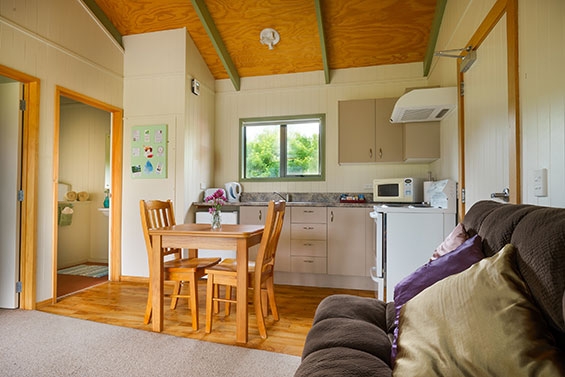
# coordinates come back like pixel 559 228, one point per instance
pixel 357 33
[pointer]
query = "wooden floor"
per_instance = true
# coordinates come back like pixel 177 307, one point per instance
pixel 67 284
pixel 123 304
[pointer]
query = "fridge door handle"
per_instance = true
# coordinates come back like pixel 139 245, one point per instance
pixel 373 273
pixel 380 252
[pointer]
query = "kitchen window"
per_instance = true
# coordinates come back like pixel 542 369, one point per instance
pixel 282 148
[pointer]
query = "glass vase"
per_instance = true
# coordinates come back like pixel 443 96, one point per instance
pixel 216 220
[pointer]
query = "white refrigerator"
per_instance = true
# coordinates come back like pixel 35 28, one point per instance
pixel 405 240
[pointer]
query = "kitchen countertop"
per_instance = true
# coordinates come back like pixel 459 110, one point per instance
pixel 297 199
pixel 293 204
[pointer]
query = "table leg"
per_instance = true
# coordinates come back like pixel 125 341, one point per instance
pixel 241 320
pixel 156 280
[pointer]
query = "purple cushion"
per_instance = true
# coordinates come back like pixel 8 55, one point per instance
pixel 435 270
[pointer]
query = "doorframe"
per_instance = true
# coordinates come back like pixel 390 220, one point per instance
pixel 29 185
pixel 499 9
pixel 116 133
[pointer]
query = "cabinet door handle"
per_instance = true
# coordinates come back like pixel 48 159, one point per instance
pixel 308 227
pixel 371 152
pixel 308 261
pixel 380 153
pixel 307 244
pixel 332 216
pixel 308 211
pixel 260 215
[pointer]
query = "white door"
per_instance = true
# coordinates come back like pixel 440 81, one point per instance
pixel 486 119
pixel 10 155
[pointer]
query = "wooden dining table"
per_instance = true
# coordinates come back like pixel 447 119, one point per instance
pixel 201 236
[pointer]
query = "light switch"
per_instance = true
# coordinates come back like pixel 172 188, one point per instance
pixel 540 182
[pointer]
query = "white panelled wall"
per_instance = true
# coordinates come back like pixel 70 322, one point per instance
pixel 82 156
pixel 542 91
pixel 541 30
pixel 306 93
pixel 158 68
pixel 61 43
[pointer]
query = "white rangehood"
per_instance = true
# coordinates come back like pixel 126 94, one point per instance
pixel 424 105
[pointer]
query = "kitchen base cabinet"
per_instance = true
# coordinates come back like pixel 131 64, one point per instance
pixel 308 265
pixel 346 241
pixel 331 247
pixel 256 216
pixel 308 232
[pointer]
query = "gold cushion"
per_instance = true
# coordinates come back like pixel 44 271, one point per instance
pixel 481 322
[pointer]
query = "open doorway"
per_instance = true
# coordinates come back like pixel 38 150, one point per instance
pixel 87 167
pixel 84 183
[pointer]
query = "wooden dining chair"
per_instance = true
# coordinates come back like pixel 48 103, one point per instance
pixel 182 271
pixel 261 274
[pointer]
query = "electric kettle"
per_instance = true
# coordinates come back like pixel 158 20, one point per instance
pixel 233 191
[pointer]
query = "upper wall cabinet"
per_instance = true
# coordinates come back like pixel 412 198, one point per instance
pixel 365 133
pixel 421 142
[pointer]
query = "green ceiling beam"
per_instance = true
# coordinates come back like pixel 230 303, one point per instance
pixel 210 26
pixel 438 16
pixel 322 41
pixel 94 8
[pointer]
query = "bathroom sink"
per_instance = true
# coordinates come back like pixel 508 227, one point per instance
pixel 105 211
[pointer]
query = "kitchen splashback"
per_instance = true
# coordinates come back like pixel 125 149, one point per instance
pixel 318 197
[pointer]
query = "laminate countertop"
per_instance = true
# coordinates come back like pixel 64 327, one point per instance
pixel 292 204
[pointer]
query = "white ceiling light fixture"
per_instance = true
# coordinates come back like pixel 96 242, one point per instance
pixel 269 37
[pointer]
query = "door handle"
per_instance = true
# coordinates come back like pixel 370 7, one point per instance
pixel 504 195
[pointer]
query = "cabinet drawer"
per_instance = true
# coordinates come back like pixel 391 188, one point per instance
pixel 308 248
pixel 312 265
pixel 308 231
pixel 308 215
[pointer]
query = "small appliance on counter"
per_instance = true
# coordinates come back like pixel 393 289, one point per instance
pixel 441 194
pixel 233 191
pixel 398 190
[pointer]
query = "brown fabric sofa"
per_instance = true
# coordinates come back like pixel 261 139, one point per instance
pixel 351 335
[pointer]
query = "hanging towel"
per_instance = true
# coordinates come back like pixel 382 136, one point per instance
pixel 65 214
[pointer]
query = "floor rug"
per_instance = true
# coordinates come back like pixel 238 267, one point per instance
pixel 92 271
pixel 34 343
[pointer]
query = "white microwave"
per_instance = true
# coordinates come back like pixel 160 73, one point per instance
pixel 398 190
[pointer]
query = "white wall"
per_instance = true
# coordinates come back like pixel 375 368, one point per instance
pixel 158 68
pixel 82 156
pixel 59 42
pixel 307 93
pixel 542 88
pixel 542 91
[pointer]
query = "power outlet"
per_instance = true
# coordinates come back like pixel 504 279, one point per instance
pixel 539 181
pixel 368 186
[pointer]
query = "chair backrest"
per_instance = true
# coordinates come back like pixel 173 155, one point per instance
pixel 265 261
pixel 156 214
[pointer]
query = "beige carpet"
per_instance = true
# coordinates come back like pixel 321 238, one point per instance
pixel 34 343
